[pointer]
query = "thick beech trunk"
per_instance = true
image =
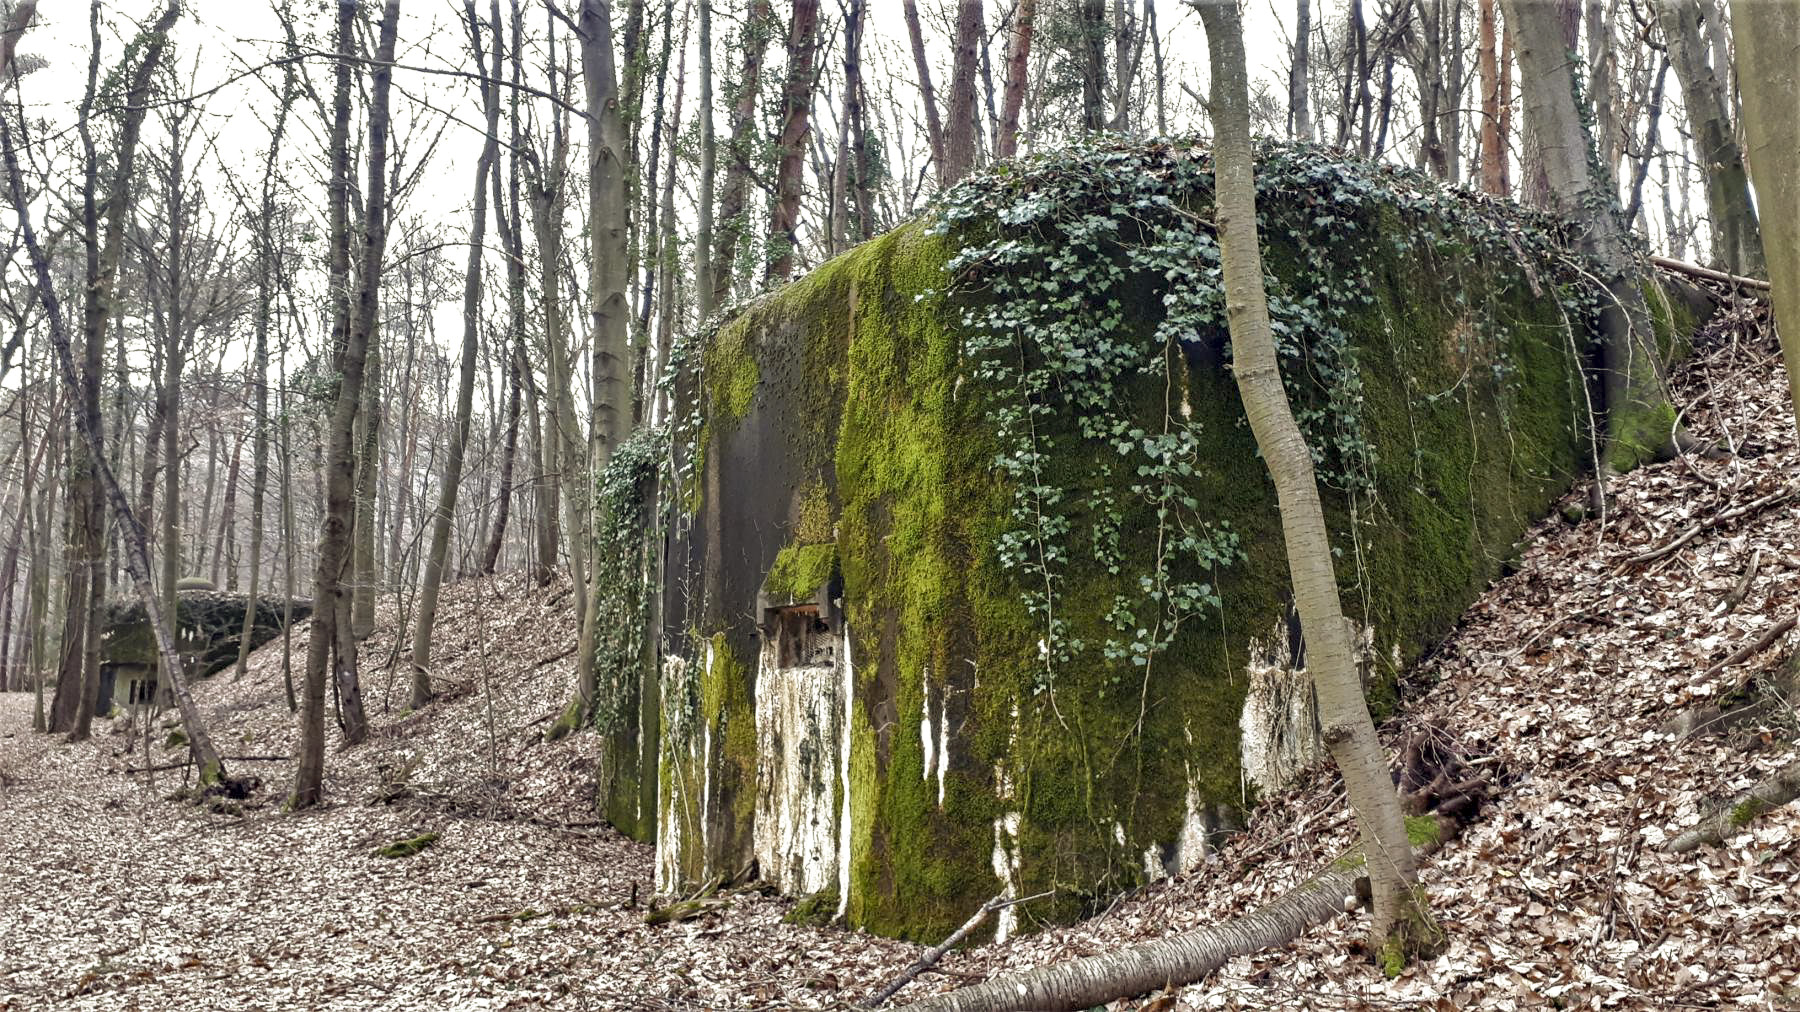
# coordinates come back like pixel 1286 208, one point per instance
pixel 1768 36
pixel 1638 420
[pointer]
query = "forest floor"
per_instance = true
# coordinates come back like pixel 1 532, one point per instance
pixel 1562 683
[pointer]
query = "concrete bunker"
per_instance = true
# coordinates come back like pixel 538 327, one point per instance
pixel 852 686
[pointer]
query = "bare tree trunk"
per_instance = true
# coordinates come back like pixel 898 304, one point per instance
pixel 1299 115
pixel 1493 143
pixel 1737 239
pixel 507 216
pixel 1018 56
pixel 1093 64
pixel 1639 422
pixel 365 584
pixel 212 770
pixel 1768 35
pixel 959 136
pixel 608 211
pixel 1400 924
pixel 353 343
pixel 465 388
pixel 732 224
pixel 705 292
pixel 265 304
pixel 934 123
pixel 796 108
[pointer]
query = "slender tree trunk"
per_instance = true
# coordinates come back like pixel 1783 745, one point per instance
pixel 608 211
pixel 1018 57
pixel 1299 115
pixel 352 342
pixel 959 136
pixel 1736 237
pixel 365 585
pixel 1768 36
pixel 732 224
pixel 1493 144
pixel 224 561
pixel 796 109
pixel 445 512
pixel 1400 921
pixel 1092 22
pixel 265 304
pixel 705 290
pixel 934 123
pixel 212 770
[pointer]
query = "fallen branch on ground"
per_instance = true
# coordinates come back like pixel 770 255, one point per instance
pixel 1697 271
pixel 1165 962
pixel 129 770
pixel 1725 516
pixel 1761 643
pixel 1778 789
pixel 935 953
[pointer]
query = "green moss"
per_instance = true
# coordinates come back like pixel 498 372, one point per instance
pixel 1393 957
pixel 799 572
pixel 732 372
pixel 1422 830
pixel 407 847
pixel 1745 811
pixel 813 521
pixel 176 739
pixel 814 910
pixel 566 722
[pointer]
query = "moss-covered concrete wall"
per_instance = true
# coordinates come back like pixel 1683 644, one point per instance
pixel 838 454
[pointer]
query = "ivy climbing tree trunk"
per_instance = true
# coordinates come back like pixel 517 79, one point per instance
pixel 1400 926
pixel 608 213
pixel 1639 421
pixel 445 513
pixel 137 556
pixel 1768 36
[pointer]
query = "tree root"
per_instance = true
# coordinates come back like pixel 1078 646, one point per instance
pixel 1778 789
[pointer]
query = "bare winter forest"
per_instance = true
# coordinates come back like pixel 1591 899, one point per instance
pixel 968 505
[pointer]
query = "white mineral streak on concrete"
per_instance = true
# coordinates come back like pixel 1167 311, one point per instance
pixel 795 835
pixel 1006 869
pixel 943 751
pixel 925 739
pixel 676 807
pixel 1279 724
pixel 849 701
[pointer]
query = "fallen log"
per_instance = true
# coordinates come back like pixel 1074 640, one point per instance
pixel 1159 964
pixel 1697 271
pixel 929 960
pixel 1778 789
